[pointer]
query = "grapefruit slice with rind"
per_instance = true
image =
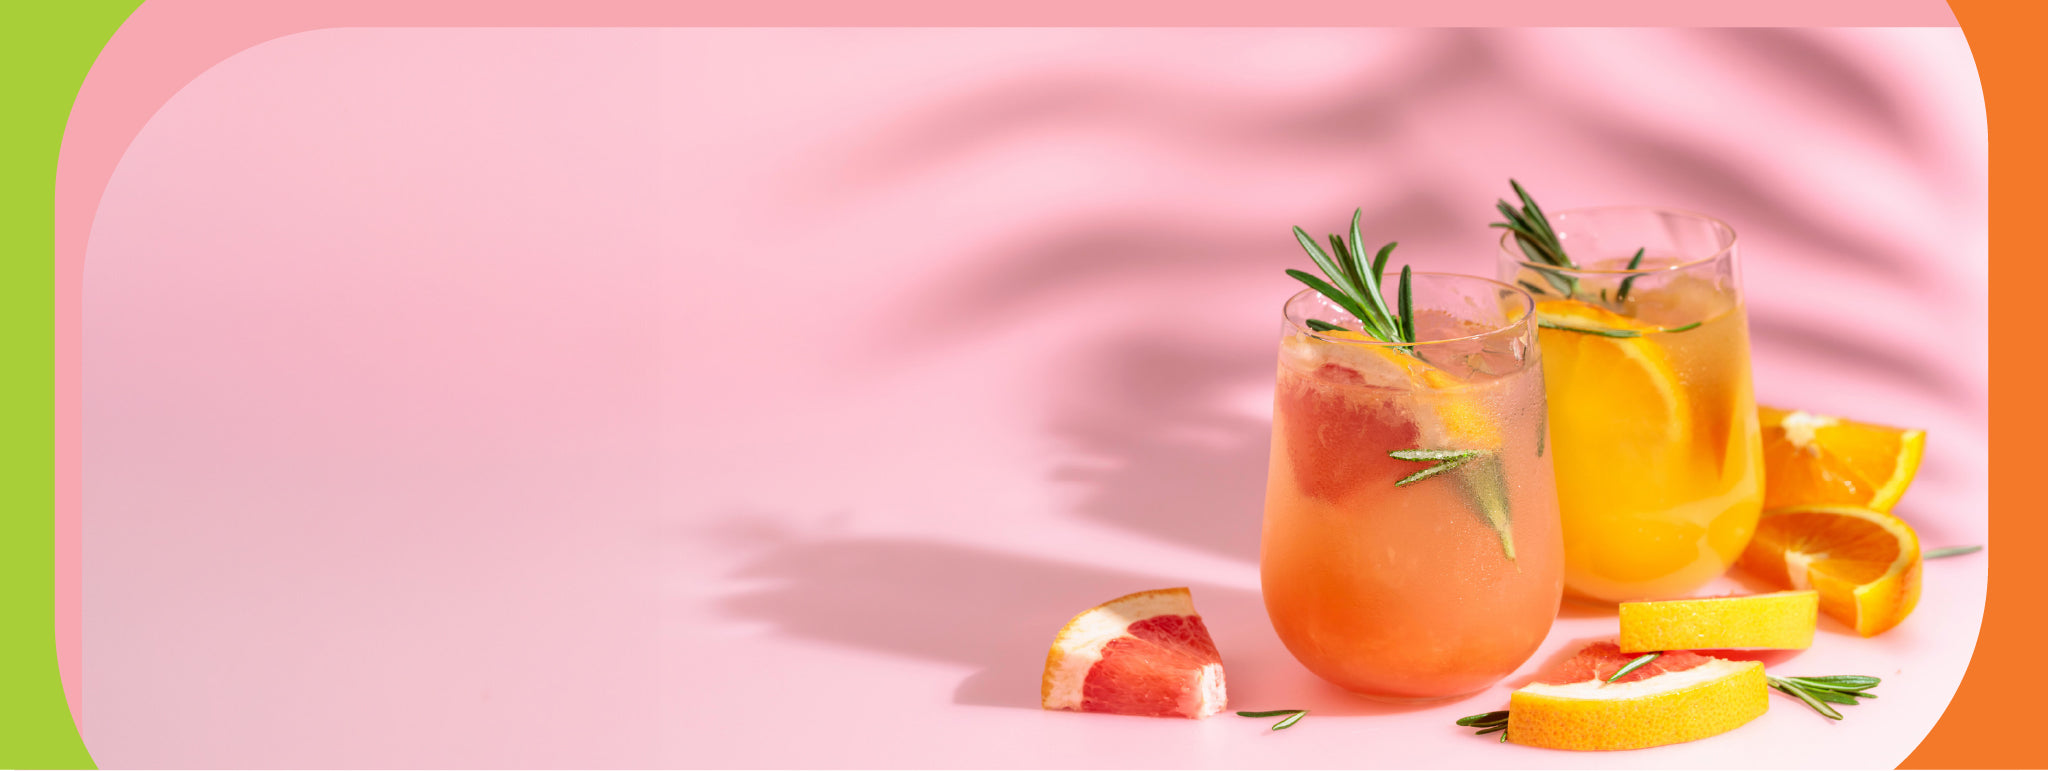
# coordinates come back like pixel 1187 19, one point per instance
pixel 1864 563
pixel 1140 654
pixel 1679 697
pixel 1773 621
pixel 1814 459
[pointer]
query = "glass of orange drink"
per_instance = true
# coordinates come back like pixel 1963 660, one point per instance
pixel 1652 415
pixel 1411 548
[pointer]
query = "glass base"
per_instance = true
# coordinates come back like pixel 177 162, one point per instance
pixel 1415 700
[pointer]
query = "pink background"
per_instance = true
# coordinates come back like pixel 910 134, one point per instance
pixel 769 397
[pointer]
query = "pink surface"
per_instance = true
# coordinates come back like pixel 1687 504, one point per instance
pixel 753 397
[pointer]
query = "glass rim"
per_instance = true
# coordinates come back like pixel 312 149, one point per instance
pixel 1725 250
pixel 1528 311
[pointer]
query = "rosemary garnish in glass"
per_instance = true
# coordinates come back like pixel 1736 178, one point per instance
pixel 1952 551
pixel 1355 285
pixel 1545 254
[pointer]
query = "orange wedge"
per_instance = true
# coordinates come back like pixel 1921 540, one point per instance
pixel 1865 564
pixel 1141 654
pixel 1679 697
pixel 1779 620
pixel 1822 460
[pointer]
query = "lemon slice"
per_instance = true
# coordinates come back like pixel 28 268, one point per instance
pixel 1779 620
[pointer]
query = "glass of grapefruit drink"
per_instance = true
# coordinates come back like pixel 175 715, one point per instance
pixel 1411 548
pixel 1646 348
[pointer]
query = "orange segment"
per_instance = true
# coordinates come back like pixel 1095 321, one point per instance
pixel 1639 406
pixel 1864 563
pixel 1690 697
pixel 1779 620
pixel 1141 654
pixel 1814 459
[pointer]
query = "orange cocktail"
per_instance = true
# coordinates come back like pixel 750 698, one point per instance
pixel 1646 348
pixel 1411 548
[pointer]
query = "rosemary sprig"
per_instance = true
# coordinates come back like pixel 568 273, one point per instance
pixel 1293 716
pixel 1545 255
pixel 1621 295
pixel 1632 666
pixel 1532 230
pixel 1445 461
pixel 1355 284
pixel 1606 332
pixel 1819 692
pixel 1952 551
pixel 1484 485
pixel 1491 722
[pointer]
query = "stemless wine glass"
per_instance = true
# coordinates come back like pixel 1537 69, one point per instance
pixel 1411 548
pixel 1659 467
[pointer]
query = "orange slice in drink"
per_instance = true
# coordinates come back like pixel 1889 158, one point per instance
pixel 1865 564
pixel 1140 654
pixel 1822 460
pixel 1679 697
pixel 1779 620
pixel 1638 404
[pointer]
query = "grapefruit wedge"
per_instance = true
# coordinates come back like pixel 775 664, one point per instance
pixel 1140 654
pixel 1678 697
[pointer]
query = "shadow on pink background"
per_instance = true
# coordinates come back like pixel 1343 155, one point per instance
pixel 769 397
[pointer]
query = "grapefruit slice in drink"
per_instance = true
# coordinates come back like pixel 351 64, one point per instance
pixel 1678 697
pixel 1141 654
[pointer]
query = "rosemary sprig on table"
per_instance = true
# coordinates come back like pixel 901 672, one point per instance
pixel 1355 284
pixel 1491 722
pixel 1293 716
pixel 1819 692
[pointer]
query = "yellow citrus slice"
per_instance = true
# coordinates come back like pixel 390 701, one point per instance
pixel 1679 697
pixel 1864 563
pixel 1141 654
pixel 1637 403
pixel 1779 620
pixel 1823 460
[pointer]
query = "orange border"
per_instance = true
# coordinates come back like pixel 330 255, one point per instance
pixel 1988 724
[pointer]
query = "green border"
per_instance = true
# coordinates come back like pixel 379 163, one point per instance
pixel 46 47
